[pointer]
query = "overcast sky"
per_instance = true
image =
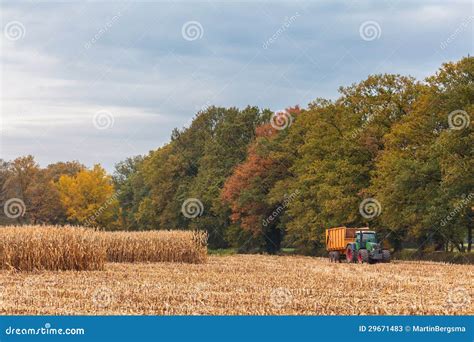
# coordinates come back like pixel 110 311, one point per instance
pixel 100 81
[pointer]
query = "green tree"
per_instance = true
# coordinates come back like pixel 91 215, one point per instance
pixel 337 144
pixel 425 173
pixel 195 164
pixel 225 147
pixel 130 185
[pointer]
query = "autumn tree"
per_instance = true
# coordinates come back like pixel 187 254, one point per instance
pixel 264 181
pixel 334 146
pixel 18 181
pixel 195 164
pixel 23 180
pixel 89 197
pixel 225 147
pixel 255 216
pixel 45 206
pixel 4 176
pixel 424 176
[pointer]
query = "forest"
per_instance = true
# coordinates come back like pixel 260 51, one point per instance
pixel 391 152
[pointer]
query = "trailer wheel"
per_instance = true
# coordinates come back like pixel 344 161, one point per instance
pixel 337 256
pixel 330 257
pixel 363 256
pixel 385 255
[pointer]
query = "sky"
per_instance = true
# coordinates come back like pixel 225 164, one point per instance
pixel 100 81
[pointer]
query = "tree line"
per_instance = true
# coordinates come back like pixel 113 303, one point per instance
pixel 391 153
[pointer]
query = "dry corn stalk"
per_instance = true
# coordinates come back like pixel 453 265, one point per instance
pixel 29 248
pixel 153 246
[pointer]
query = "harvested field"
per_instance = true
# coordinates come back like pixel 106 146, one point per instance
pixel 244 284
pixel 156 246
pixel 27 248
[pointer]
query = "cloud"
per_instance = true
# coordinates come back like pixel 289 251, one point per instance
pixel 131 60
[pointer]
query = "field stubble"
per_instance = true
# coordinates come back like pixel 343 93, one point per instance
pixel 243 285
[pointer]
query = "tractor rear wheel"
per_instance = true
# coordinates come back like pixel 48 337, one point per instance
pixel 363 256
pixel 385 255
pixel 350 255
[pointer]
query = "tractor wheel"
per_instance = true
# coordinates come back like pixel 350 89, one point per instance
pixel 385 255
pixel 337 256
pixel 350 255
pixel 363 256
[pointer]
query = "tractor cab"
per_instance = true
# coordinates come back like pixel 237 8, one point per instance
pixel 366 236
pixel 366 239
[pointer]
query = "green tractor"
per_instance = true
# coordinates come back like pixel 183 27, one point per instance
pixel 366 249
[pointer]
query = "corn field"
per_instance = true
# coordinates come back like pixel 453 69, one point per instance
pixel 156 246
pixel 31 248
pixel 28 248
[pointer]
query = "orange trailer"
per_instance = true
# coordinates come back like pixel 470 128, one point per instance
pixel 337 240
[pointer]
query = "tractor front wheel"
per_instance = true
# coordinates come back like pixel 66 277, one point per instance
pixel 363 256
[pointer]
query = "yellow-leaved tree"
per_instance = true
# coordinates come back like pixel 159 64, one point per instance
pixel 89 197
